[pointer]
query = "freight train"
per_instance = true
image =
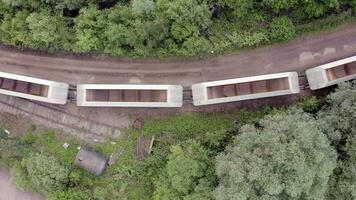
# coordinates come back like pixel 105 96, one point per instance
pixel 205 93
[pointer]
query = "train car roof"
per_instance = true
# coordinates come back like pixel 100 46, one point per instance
pixel 174 96
pixel 200 92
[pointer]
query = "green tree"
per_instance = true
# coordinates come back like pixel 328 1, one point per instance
pixel 238 8
pixel 185 18
pixel 286 157
pixel 89 28
pixel 343 182
pixel 278 5
pixel 15 30
pixel 338 118
pixel 187 174
pixel 46 173
pixel 49 31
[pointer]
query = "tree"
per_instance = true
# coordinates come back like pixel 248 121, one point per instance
pixel 338 121
pixel 142 8
pixel 278 5
pixel 343 181
pixel 281 29
pixel 15 29
pixel 285 157
pixel 338 118
pixel 49 31
pixel 89 27
pixel 240 9
pixel 190 17
pixel 46 173
pixel 311 9
pixel 187 174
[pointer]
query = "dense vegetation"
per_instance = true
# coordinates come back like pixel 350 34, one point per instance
pixel 141 28
pixel 305 151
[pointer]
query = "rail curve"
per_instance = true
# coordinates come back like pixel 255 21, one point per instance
pixel 297 56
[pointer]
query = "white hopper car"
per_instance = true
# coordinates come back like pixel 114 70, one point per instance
pixel 129 95
pixel 332 73
pixel 239 89
pixel 33 88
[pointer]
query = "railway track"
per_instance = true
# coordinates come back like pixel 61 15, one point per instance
pixel 73 69
pixel 57 117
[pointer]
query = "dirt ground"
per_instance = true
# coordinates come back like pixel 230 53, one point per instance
pixel 19 125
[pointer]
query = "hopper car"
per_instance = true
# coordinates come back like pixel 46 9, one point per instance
pixel 129 95
pixel 33 88
pixel 239 89
pixel 332 73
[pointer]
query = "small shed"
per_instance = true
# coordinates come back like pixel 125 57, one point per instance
pixel 91 161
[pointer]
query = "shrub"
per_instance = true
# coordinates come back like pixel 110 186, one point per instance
pixel 186 174
pixel 46 173
pixel 71 194
pixel 19 177
pixel 281 29
pixel 247 39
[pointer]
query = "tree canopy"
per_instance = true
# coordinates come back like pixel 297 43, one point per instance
pixel 286 157
pixel 140 28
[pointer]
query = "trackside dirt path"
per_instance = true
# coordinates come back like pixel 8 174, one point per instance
pixel 294 56
pixel 297 55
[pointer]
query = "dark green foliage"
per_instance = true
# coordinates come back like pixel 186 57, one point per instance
pixel 287 158
pixel 188 174
pixel 310 104
pixel 338 118
pixel 343 182
pixel 89 27
pixel 141 28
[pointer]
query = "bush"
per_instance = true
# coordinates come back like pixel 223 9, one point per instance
pixel 186 174
pixel 46 173
pixel 248 39
pixel 281 29
pixel 19 177
pixel 71 194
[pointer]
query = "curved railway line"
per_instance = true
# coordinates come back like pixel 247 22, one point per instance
pixel 96 123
